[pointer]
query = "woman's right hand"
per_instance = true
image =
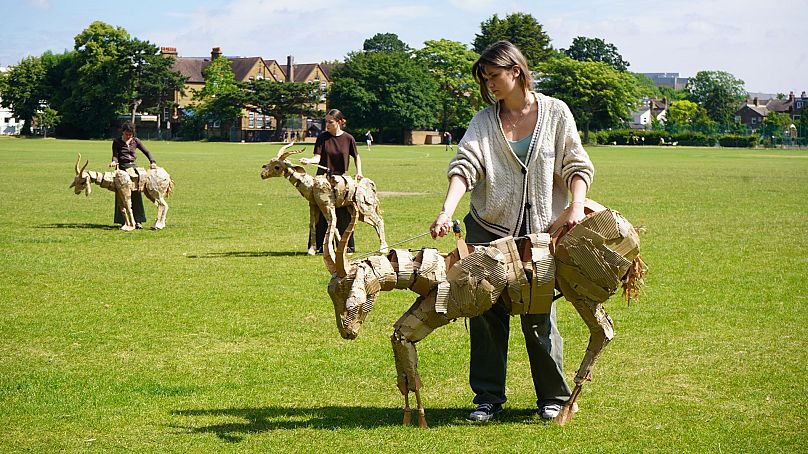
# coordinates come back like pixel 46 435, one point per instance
pixel 441 226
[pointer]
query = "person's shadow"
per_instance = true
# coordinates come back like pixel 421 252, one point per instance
pixel 74 225
pixel 255 420
pixel 215 255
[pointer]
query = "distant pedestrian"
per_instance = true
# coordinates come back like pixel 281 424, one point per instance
pixel 368 139
pixel 447 136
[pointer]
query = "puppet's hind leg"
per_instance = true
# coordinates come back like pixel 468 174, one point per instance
pixel 417 323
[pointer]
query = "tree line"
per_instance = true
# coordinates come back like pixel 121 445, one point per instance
pixel 387 87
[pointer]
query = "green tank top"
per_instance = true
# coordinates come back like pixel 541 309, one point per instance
pixel 521 146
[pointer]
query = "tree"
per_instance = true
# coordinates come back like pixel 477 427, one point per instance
pixel 719 92
pixel 281 100
pixel 385 42
pixel 596 49
pixel 221 99
pixel 101 90
pixel 687 115
pixel 22 90
pixel 48 118
pixel 802 124
pixel 449 63
pixel 148 77
pixel 775 124
pixel 385 90
pixel 520 29
pixel 594 91
pixel 645 86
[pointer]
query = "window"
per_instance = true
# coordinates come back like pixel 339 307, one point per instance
pixel 251 119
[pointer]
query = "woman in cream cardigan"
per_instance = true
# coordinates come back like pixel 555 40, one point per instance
pixel 523 161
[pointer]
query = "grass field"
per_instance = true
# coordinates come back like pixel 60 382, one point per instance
pixel 217 334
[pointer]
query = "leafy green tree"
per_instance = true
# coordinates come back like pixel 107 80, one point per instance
pixel 148 76
pixel 672 94
pixel 802 124
pixel 521 29
pixel 101 90
pixel 385 42
pixel 646 86
pixel 686 115
pixel 282 100
pixel 596 49
pixel 719 92
pixel 594 91
pixel 60 79
pixel 775 124
pixel 22 90
pixel 385 91
pixel 221 99
pixel 47 119
pixel 449 63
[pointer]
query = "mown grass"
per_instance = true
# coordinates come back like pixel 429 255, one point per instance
pixel 216 334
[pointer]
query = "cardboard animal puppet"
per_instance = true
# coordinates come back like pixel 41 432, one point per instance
pixel 155 183
pixel 326 193
pixel 586 264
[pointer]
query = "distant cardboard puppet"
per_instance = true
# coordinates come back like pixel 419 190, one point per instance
pixel 325 194
pixel 155 183
pixel 586 263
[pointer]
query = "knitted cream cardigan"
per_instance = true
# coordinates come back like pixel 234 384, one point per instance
pixel 503 189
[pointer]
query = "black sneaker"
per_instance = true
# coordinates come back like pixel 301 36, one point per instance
pixel 484 412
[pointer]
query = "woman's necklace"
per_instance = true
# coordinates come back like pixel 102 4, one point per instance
pixel 514 123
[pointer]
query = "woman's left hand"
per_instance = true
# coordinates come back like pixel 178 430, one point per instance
pixel 359 176
pixel 575 215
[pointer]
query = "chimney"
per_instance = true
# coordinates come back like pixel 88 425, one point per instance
pixel 803 94
pixel 290 68
pixel 168 51
pixel 755 101
pixel 791 96
pixel 215 52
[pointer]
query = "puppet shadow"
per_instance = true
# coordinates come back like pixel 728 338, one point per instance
pixel 76 225
pixel 218 255
pixel 256 420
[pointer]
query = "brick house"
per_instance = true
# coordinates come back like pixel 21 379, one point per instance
pixel 754 111
pixel 253 125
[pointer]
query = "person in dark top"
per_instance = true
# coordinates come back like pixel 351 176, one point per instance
pixel 333 151
pixel 123 157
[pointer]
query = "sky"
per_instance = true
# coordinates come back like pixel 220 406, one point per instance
pixel 763 43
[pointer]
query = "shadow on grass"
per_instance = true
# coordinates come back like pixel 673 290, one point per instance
pixel 218 255
pixel 70 225
pixel 266 419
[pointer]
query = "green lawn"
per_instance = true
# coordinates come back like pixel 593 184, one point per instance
pixel 217 334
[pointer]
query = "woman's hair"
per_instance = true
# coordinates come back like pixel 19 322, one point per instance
pixel 501 54
pixel 127 127
pixel 337 115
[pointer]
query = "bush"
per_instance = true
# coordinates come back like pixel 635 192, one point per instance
pixel 740 141
pixel 635 137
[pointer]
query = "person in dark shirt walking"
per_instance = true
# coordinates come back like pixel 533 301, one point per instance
pixel 333 151
pixel 124 156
